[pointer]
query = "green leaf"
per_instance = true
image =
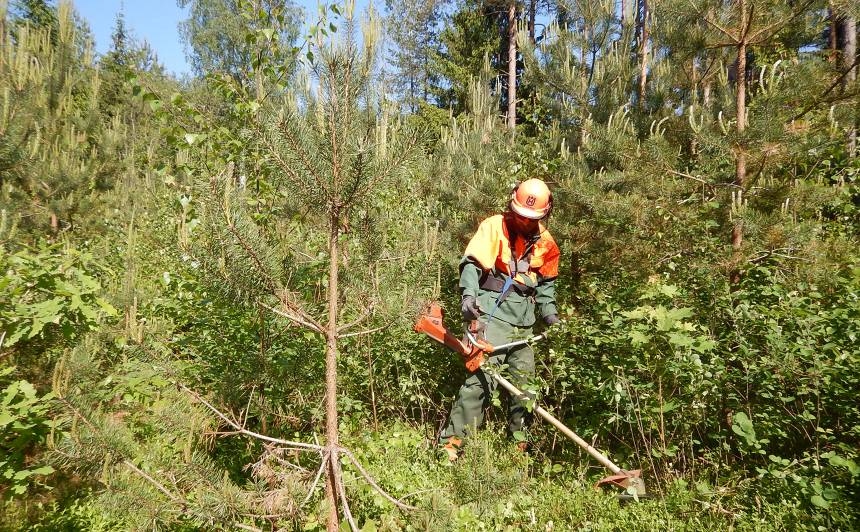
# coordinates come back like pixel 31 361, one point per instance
pixel 638 338
pixel 669 290
pixel 742 426
pixel 680 339
pixel 669 406
pixel 21 475
pixel 838 461
pixel 636 314
pixel 44 470
pixel 48 309
pixel 106 307
pixel 819 501
pixel 36 328
pixel 192 138
pixel 519 436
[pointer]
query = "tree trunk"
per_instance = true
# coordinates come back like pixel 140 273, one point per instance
pixel 532 16
pixel 512 66
pixel 832 41
pixel 694 100
pixel 849 55
pixel 333 485
pixel 643 52
pixel 740 156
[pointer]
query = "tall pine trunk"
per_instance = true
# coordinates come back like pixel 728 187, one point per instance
pixel 832 40
pixel 331 425
pixel 532 17
pixel 740 155
pixel 849 56
pixel 512 66
pixel 643 51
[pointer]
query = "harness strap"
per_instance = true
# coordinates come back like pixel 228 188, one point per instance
pixel 495 282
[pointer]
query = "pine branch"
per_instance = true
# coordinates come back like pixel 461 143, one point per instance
pixel 242 430
pixel 405 151
pixel 727 33
pixel 271 283
pixel 296 148
pixel 837 82
pixel 778 25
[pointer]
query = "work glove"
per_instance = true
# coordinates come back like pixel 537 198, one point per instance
pixel 469 308
pixel 551 320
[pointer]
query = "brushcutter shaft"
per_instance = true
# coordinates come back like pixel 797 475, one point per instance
pixel 597 455
pixel 517 343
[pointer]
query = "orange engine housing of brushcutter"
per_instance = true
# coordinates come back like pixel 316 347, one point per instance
pixel 430 323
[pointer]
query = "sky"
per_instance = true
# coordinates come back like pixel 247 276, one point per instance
pixel 153 21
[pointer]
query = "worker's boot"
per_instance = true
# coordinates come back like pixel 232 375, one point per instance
pixel 452 447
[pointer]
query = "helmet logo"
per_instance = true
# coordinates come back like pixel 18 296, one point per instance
pixel 531 201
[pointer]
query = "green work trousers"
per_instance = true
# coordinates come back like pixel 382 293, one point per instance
pixel 475 395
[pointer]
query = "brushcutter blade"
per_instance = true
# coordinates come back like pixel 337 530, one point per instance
pixel 630 481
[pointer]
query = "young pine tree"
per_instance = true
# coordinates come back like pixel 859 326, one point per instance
pixel 334 159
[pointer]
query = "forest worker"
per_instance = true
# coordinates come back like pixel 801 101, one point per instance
pixel 507 273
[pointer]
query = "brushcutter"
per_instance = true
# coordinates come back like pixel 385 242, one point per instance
pixel 474 351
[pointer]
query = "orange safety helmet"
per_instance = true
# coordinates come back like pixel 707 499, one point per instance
pixel 531 199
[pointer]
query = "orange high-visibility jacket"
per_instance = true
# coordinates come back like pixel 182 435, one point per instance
pixel 489 253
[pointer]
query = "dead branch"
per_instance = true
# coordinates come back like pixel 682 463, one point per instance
pixel 323 464
pixel 694 178
pixel 341 491
pixel 364 315
pixel 762 255
pixel 248 407
pixel 155 483
pixel 246 432
pixel 373 483
pixel 366 331
pixel 305 321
